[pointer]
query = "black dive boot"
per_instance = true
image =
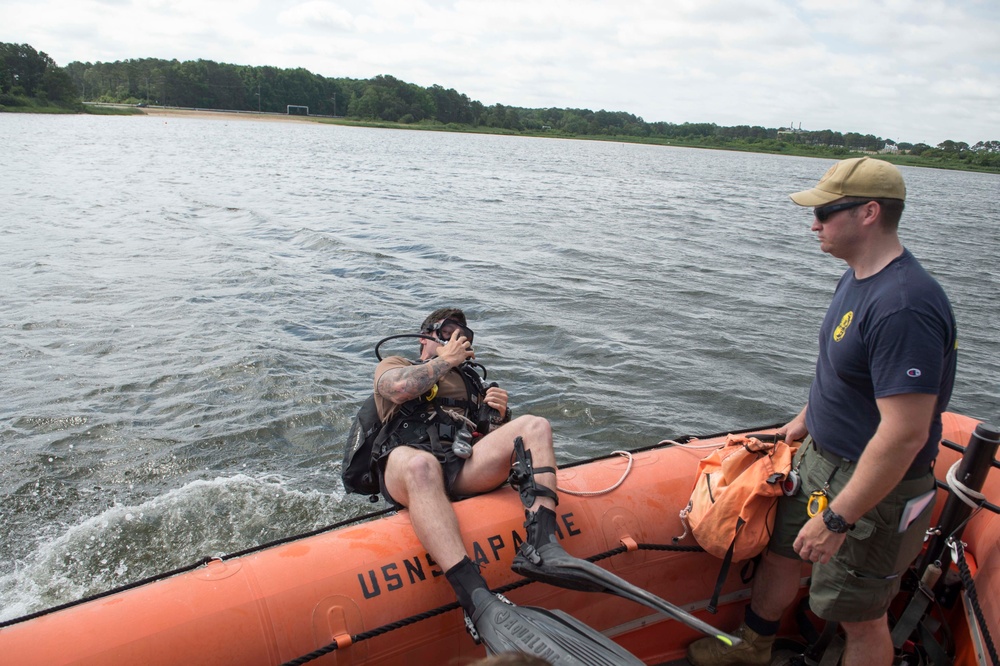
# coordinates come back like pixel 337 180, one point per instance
pixel 465 579
pixel 541 557
pixel 552 635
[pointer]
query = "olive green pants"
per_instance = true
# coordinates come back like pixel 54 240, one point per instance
pixel 862 578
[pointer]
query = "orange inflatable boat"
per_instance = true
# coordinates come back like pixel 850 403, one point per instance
pixel 367 593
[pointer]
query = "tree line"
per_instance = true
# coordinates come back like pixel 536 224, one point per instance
pixel 210 85
pixel 27 73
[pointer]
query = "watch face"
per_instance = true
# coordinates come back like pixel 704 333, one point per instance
pixel 834 522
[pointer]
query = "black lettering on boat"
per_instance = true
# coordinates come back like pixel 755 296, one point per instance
pixel 415 569
pixel 566 519
pixel 375 591
pixel 496 544
pixel 479 555
pixel 435 569
pixel 392 581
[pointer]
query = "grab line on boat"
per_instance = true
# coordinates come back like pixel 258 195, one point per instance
pixel 434 612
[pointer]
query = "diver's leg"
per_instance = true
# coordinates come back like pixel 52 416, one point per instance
pixel 490 463
pixel 542 558
pixel 414 479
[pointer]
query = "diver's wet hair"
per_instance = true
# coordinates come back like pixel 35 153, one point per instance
pixel 443 313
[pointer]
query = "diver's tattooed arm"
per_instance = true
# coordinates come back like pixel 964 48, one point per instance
pixel 402 384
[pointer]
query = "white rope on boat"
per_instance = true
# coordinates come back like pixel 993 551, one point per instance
pixel 665 442
pixel 692 444
pixel 591 493
pixel 963 492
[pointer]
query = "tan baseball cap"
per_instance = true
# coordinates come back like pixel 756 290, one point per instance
pixel 856 177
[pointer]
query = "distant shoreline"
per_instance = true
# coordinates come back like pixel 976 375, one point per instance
pixel 256 116
pixel 903 160
pixel 226 115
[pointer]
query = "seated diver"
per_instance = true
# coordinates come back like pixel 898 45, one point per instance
pixel 425 463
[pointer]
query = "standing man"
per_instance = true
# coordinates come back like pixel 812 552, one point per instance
pixel 886 367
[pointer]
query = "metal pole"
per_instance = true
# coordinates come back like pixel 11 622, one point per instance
pixel 972 470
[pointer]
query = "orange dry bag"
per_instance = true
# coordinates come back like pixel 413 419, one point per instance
pixel 731 512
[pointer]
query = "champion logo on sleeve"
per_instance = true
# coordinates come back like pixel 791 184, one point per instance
pixel 913 373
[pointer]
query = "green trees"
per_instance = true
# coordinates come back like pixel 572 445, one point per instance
pixel 986 154
pixel 206 84
pixel 453 107
pixel 388 98
pixel 22 69
pixel 27 73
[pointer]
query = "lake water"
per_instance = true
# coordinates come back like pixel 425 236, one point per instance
pixel 189 311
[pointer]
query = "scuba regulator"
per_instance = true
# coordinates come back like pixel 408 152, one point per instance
pixel 485 419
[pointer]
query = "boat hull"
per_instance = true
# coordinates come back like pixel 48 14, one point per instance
pixel 288 600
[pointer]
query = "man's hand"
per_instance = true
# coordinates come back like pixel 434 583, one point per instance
pixel 456 351
pixel 496 398
pixel 816 543
pixel 795 430
pixel 402 384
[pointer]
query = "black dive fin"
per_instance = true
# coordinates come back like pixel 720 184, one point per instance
pixel 553 565
pixel 551 635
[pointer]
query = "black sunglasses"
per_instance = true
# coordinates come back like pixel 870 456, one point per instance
pixel 823 213
pixel 443 330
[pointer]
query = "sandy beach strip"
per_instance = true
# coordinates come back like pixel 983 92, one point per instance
pixel 160 111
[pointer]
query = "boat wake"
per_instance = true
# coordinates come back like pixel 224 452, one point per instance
pixel 204 518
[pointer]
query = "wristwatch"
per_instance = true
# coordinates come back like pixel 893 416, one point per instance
pixel 835 522
pixel 496 420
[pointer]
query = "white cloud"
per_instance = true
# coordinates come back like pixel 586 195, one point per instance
pixel 925 71
pixel 317 15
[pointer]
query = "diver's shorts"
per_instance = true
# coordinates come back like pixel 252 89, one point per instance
pixel 451 465
pixel 862 578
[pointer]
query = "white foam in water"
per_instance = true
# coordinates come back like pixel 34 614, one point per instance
pixel 202 518
pixel 218 318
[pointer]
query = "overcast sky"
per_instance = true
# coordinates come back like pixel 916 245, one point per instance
pixel 907 70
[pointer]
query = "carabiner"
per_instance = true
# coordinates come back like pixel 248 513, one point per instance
pixel 817 503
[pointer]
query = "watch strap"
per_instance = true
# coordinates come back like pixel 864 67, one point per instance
pixel 835 522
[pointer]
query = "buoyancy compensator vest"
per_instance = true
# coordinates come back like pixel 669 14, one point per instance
pixel 427 418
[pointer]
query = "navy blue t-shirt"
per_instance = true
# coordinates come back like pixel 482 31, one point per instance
pixel 889 334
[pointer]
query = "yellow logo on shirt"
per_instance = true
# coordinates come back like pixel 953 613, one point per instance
pixel 841 330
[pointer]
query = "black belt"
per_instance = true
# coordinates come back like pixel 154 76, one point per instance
pixel 916 470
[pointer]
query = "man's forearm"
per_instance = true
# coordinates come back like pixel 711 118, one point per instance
pixel 879 470
pixel 402 384
pixel 897 441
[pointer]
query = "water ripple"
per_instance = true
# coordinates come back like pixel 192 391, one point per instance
pixel 190 310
